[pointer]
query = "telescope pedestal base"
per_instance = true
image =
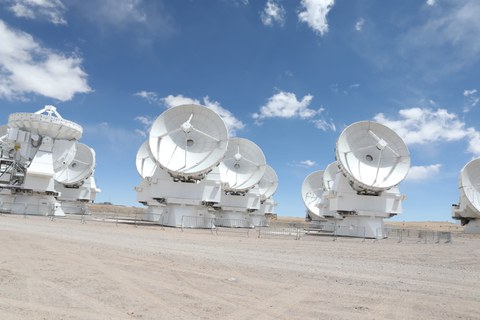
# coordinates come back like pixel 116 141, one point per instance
pixel 181 216
pixel 473 226
pixel 361 227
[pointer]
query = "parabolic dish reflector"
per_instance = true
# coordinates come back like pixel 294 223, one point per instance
pixel 63 153
pixel 188 140
pixel 312 191
pixel 80 168
pixel 243 166
pixel 470 184
pixel 268 184
pixel 329 176
pixel 50 124
pixel 145 162
pixel 372 156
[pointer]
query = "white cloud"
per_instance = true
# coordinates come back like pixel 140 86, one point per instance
pixel 359 24
pixel 431 2
pixel 417 173
pixel 472 98
pixel 273 13
pixel 447 37
pixel 308 163
pixel 150 96
pixel 421 126
pixel 325 125
pixel 173 101
pixel 147 124
pixel 139 20
pixel 26 67
pixel 474 142
pixel 315 14
pixel 51 10
pixel 285 105
pixel 233 124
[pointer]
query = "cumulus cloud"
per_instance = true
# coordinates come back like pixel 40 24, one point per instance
pixel 273 13
pixel 233 124
pixel 51 10
pixel 308 163
pixel 314 13
pixel 431 2
pixel 26 68
pixel 359 24
pixel 421 126
pixel 150 96
pixel 418 173
pixel 285 105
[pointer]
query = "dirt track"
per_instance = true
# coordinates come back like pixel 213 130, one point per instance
pixel 67 270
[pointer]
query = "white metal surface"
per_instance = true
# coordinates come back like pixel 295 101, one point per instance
pixel 469 184
pixel 46 122
pixel 329 176
pixel 373 156
pixel 188 140
pixel 243 166
pixel 80 168
pixel 63 153
pixel 312 191
pixel 268 184
pixel 146 164
pixel 468 210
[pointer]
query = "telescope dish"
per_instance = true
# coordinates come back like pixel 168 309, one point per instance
pixel 79 169
pixel 63 153
pixel 188 140
pixel 146 165
pixel 312 191
pixel 269 183
pixel 50 124
pixel 329 176
pixel 372 156
pixel 470 184
pixel 243 166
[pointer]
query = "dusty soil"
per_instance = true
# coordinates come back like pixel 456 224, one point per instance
pixel 64 269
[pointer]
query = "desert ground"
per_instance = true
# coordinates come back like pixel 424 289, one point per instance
pixel 66 269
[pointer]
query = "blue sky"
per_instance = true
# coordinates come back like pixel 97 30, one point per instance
pixel 289 75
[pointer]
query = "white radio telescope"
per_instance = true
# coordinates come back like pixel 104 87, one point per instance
pixel 36 150
pixel 188 141
pixel 179 166
pixel 329 176
pixel 312 192
pixel 268 184
pixel 360 188
pixel 373 157
pixel 240 172
pixel 243 166
pixel 146 164
pixel 468 210
pixel 75 182
pixel 267 187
